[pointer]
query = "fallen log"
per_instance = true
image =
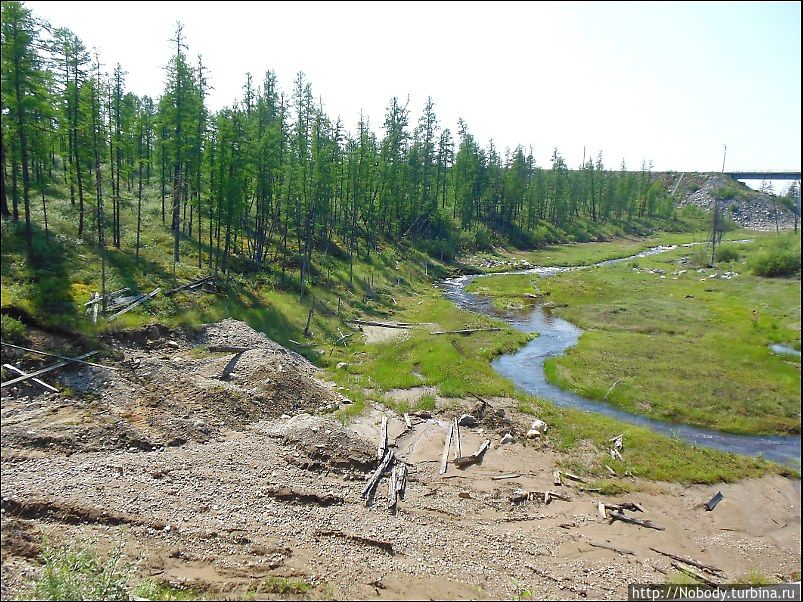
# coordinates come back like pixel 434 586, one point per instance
pixel 376 476
pixel 382 447
pixel 625 506
pixel 573 477
pixel 42 384
pixel 190 285
pixel 466 331
pixel 635 521
pixel 705 567
pixel 513 475
pixel 520 496
pixel 48 369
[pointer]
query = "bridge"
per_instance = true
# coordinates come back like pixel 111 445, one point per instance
pixel 764 175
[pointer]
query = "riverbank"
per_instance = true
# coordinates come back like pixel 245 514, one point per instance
pixel 674 341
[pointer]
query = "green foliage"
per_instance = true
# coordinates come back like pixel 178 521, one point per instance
pixel 80 574
pixel 12 330
pixel 285 585
pixel 728 253
pixel 778 258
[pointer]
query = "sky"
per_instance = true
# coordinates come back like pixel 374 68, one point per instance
pixel 671 83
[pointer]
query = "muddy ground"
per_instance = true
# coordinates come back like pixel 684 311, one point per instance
pixel 222 483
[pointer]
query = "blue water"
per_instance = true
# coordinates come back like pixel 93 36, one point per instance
pixel 525 368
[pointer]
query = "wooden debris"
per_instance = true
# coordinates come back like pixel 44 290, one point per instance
pixel 48 369
pixel 447 444
pixel 229 367
pixel 309 318
pixel 380 324
pixel 625 506
pixel 615 455
pixel 635 521
pixel 401 479
pixel 463 461
pixel 707 568
pixel 368 490
pixel 573 477
pixel 95 298
pixel 622 551
pixel 456 431
pixel 407 420
pixel 383 439
pixel 343 337
pixel 695 574
pixel 142 299
pixel 601 511
pixel 392 493
pixel 42 384
pixel 556 478
pixel 610 470
pixel 712 503
pixel 385 546
pixel 613 386
pixel 519 496
pixel 194 285
pixel 513 475
pixel 228 349
pixel 466 331
pixel 77 360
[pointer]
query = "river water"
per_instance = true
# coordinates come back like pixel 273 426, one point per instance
pixel 525 368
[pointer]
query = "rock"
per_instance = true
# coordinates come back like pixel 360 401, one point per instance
pixel 153 333
pixel 467 420
pixel 539 425
pixel 342 365
pixel 533 434
pixel 508 438
pixel 172 344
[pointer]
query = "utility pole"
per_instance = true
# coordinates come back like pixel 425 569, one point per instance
pixel 716 225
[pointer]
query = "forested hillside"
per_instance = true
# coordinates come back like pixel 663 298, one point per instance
pixel 272 177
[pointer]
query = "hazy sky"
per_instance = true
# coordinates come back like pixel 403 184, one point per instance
pixel 671 83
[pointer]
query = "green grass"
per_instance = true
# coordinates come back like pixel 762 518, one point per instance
pixel 285 585
pixel 684 347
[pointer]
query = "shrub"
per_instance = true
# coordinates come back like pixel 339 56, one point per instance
pixel 727 253
pixel 776 260
pixel 70 574
pixel 12 330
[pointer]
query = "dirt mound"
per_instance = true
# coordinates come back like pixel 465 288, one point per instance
pixel 165 392
pixel 324 444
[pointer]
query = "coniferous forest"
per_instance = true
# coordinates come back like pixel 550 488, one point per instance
pixel 273 178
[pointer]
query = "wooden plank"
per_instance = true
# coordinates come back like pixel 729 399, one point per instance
pixel 463 461
pixel 45 370
pixel 556 478
pixel 190 285
pixel 635 521
pixel 573 477
pixel 136 303
pixel 705 567
pixel 456 431
pixel 392 492
pixel 97 298
pixel 512 475
pixel 466 331
pixel 601 511
pixel 610 470
pixel 382 447
pixel 445 457
pixel 42 384
pixel 380 324
pixel 407 420
pixel 76 359
pixel 401 479
pixel 228 349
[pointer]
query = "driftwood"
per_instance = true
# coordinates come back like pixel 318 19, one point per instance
pixel 573 477
pixel 513 475
pixel 343 338
pixel 635 521
pixel 520 496
pixel 466 331
pixel 45 370
pixel 712 503
pixel 707 568
pixel 696 574
pixel 463 461
pixel 615 455
pixel 447 444
pixel 601 511
pixel 625 506
pixel 622 551
pixel 407 420
pixel 556 478
pixel 309 318
pixel 368 490
pixel 136 303
pixel 42 384
pixel 610 470
pixel 97 298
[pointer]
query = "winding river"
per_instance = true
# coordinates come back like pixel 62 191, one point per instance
pixel 525 368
